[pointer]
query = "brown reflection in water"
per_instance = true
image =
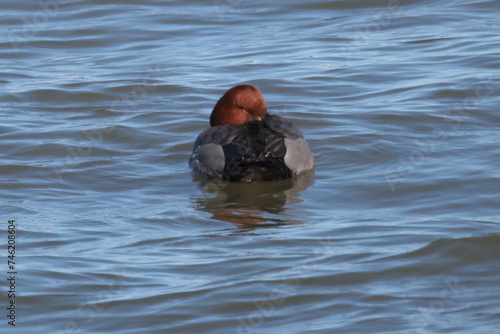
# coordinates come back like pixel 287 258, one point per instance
pixel 250 204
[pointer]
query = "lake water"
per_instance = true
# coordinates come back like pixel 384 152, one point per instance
pixel 395 231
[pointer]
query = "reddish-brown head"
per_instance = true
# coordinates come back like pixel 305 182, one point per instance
pixel 238 105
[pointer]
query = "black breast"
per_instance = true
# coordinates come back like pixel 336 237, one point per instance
pixel 256 154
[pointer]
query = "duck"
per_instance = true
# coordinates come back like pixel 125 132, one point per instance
pixel 246 144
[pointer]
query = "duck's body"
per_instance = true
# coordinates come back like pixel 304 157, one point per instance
pixel 245 143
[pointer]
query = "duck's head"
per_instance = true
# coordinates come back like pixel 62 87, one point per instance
pixel 238 105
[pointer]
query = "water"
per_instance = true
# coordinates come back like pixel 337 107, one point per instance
pixel 395 231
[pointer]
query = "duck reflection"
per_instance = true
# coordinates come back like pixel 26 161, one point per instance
pixel 250 204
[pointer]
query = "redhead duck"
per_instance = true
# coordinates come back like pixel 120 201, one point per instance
pixel 245 143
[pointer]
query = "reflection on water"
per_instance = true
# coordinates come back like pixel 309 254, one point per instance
pixel 250 204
